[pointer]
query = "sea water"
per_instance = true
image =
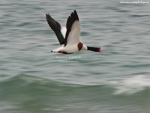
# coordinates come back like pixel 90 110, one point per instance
pixel 34 80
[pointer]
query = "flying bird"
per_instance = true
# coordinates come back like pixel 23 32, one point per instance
pixel 69 36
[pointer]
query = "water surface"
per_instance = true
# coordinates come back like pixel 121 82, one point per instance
pixel 34 80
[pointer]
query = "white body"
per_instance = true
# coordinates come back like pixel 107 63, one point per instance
pixel 69 48
pixel 72 41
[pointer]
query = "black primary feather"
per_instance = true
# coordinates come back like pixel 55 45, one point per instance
pixel 71 19
pixel 56 27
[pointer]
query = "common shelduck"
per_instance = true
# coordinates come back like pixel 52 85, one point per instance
pixel 68 36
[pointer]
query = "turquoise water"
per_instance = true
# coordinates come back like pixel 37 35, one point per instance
pixel 34 80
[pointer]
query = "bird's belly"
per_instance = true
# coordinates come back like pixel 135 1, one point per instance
pixel 71 49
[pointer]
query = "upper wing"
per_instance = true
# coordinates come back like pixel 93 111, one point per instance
pixel 73 29
pixel 59 30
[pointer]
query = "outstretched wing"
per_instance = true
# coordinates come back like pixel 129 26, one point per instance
pixel 73 29
pixel 59 30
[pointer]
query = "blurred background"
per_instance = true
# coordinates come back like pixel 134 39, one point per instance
pixel 34 80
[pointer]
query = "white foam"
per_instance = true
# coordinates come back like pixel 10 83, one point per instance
pixel 132 85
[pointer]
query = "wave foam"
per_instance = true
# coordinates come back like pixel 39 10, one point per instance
pixel 132 85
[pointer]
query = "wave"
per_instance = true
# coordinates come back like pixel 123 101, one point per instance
pixel 132 85
pixel 129 85
pixel 28 92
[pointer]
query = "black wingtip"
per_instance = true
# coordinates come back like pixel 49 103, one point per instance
pixel 75 12
pixel 74 15
pixel 48 16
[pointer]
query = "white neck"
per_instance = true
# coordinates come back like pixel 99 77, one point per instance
pixel 84 47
